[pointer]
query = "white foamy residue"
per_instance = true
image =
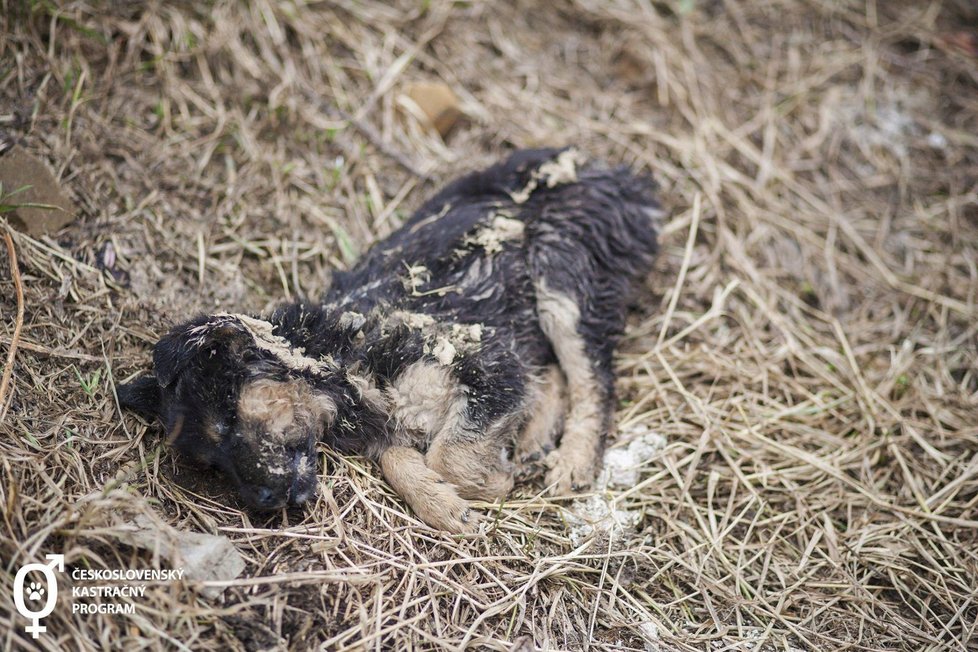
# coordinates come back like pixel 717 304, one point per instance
pixel 623 463
pixel 651 634
pixel 597 513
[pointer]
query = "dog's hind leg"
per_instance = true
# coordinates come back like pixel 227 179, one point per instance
pixel 586 364
pixel 588 247
pixel 433 499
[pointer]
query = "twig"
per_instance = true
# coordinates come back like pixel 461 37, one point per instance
pixel 687 257
pixel 371 134
pixel 368 132
pixel 18 324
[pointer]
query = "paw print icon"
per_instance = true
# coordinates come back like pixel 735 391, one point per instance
pixel 34 591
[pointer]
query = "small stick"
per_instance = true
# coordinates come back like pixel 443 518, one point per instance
pixel 18 324
pixel 368 132
pixel 371 134
pixel 687 256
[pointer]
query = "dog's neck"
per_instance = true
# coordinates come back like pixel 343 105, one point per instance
pixel 341 354
pixel 381 341
pixel 319 333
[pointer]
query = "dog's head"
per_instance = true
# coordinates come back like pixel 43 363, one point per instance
pixel 233 395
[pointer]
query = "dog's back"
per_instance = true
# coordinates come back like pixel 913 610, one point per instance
pixel 475 252
pixel 541 253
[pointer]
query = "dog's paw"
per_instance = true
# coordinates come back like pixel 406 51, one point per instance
pixel 533 456
pixel 531 465
pixel 445 510
pixel 494 485
pixel 568 473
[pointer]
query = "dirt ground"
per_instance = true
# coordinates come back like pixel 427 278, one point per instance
pixel 796 458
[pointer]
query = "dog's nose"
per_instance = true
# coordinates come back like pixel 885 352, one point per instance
pixel 302 491
pixel 267 498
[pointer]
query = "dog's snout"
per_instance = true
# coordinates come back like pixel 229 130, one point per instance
pixel 267 498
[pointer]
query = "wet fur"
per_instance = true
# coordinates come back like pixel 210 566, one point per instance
pixel 484 326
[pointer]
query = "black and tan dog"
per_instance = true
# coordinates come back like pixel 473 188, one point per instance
pixel 471 337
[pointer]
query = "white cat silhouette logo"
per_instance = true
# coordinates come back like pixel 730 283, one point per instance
pixel 36 592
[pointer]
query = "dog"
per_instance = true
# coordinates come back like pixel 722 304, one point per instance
pixel 473 337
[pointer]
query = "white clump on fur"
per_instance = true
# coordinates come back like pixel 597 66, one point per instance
pixel 262 332
pixel 270 449
pixel 501 229
pixel 598 513
pixel 418 276
pixel 444 351
pixel 562 169
pixel 412 319
pixel 467 333
pixel 351 319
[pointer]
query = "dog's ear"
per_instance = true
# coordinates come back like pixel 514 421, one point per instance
pixel 194 341
pixel 141 395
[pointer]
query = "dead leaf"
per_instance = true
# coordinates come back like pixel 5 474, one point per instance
pixel 203 557
pixel 40 204
pixel 438 104
pixel 633 66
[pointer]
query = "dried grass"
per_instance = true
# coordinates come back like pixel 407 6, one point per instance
pixel 808 345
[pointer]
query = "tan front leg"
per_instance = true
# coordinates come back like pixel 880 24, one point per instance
pixel 433 499
pixel 478 468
